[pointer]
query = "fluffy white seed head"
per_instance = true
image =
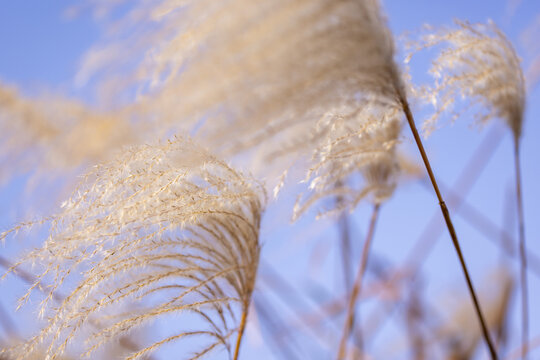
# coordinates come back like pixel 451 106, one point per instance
pixel 162 229
pixel 282 80
pixel 356 159
pixel 287 80
pixel 479 66
pixel 259 66
pixel 50 133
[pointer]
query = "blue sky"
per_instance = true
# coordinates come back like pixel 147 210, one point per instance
pixel 41 49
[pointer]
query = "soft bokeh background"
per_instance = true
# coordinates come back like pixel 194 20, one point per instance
pixel 40 50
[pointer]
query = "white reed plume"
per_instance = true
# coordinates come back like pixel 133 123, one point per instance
pixel 50 133
pixel 115 350
pixel 360 157
pixel 275 76
pixel 264 63
pixel 478 65
pixel 160 230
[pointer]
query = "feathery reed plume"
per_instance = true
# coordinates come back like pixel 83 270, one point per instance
pixel 479 64
pixel 51 133
pixel 36 355
pixel 113 351
pixel 279 72
pixel 165 229
pixel 368 151
pixel 357 287
pixel 394 92
pixel 271 63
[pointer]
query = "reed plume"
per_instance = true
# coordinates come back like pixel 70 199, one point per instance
pixel 273 73
pixel 362 160
pixel 478 64
pixel 54 134
pixel 162 229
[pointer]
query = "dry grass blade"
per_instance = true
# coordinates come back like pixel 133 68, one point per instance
pixel 163 229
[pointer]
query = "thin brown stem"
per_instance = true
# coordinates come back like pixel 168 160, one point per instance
pixel 345 246
pixel 508 221
pixel 357 287
pixel 457 194
pixel 241 330
pixel 450 226
pixel 522 254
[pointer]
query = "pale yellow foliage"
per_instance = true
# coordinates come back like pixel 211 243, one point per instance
pixel 290 82
pixel 55 134
pixel 160 230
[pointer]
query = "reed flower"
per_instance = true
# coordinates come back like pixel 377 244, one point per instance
pixel 360 157
pixel 50 133
pixel 290 82
pixel 160 230
pixel 477 64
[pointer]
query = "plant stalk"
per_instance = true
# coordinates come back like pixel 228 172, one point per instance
pixel 357 287
pixel 241 332
pixel 522 254
pixel 450 226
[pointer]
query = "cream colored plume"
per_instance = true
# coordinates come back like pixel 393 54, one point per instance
pixel 355 161
pixel 478 65
pixel 54 134
pixel 160 230
pixel 284 80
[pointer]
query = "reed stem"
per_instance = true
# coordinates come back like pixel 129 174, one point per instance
pixel 450 226
pixel 241 332
pixel 522 254
pixel 357 287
